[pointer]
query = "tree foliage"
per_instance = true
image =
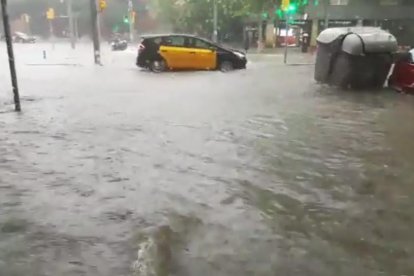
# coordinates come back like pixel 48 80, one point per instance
pixel 178 15
pixel 197 15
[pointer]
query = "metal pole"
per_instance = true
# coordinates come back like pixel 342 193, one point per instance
pixel 215 21
pixel 131 24
pixel 76 28
pixel 260 28
pixel 52 39
pixel 326 14
pixel 10 53
pixel 71 24
pixel 95 33
pixel 260 36
pixel 99 19
pixel 275 24
pixel 286 38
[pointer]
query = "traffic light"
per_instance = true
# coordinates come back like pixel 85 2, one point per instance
pixel 50 14
pixel 285 5
pixel 292 8
pixel 126 19
pixel 279 13
pixel 102 5
pixel 133 17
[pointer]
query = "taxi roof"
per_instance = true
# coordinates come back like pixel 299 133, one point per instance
pixel 170 34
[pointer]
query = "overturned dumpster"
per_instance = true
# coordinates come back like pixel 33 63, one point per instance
pixel 357 57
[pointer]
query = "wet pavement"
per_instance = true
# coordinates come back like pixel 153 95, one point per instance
pixel 117 171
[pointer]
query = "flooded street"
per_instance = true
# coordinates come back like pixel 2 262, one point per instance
pixel 117 171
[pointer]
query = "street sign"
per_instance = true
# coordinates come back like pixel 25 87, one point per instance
pixel 50 14
pixel 102 5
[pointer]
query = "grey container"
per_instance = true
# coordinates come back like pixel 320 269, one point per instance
pixel 356 57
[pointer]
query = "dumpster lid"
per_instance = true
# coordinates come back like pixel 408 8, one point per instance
pixel 364 43
pixel 331 34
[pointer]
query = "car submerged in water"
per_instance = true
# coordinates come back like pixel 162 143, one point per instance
pixel 20 37
pixel 118 44
pixel 186 52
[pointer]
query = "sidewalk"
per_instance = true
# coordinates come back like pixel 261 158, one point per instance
pixel 294 55
pixel 56 54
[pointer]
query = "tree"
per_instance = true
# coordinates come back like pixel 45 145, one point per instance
pixel 173 15
pixel 196 15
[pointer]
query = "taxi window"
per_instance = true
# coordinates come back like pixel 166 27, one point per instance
pixel 178 41
pixel 157 40
pixel 197 43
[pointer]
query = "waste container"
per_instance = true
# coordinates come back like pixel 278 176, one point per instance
pixel 355 57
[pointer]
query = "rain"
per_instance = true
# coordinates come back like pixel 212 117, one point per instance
pixel 116 169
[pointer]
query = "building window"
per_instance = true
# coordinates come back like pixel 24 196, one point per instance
pixel 339 2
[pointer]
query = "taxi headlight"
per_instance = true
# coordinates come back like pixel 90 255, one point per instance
pixel 239 55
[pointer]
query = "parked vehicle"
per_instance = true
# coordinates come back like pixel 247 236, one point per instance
pixel 402 77
pixel 19 37
pixel 174 51
pixel 287 36
pixel 119 44
pixel 357 57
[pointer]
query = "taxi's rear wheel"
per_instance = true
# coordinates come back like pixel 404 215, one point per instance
pixel 158 66
pixel 226 66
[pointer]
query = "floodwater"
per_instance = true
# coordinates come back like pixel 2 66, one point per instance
pixel 117 171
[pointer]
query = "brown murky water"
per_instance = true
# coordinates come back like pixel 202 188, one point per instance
pixel 113 171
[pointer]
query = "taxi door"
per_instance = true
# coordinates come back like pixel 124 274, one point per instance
pixel 173 49
pixel 204 54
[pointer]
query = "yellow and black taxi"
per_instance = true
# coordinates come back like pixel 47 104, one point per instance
pixel 185 52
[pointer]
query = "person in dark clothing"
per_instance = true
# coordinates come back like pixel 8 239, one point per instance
pixel 305 42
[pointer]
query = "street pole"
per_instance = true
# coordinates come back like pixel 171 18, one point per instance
pixel 51 31
pixel 326 14
pixel 286 38
pixel 71 24
pixel 215 21
pixel 95 33
pixel 131 24
pixel 76 28
pixel 12 66
pixel 276 24
pixel 99 19
pixel 260 28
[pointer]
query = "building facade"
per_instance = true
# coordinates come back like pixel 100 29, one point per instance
pixel 396 16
